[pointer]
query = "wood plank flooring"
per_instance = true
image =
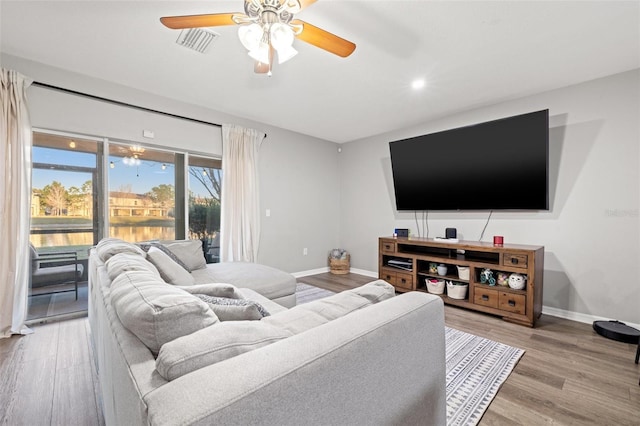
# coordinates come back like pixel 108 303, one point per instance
pixel 48 377
pixel 568 375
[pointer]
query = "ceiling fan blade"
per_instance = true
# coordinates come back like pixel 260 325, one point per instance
pixel 324 39
pixel 306 3
pixel 196 21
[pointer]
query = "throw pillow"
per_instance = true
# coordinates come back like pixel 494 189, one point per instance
pixel 155 312
pixel 123 262
pixel 214 344
pixel 159 246
pixel 214 289
pixel 189 252
pixel 227 309
pixel 108 247
pixel 169 270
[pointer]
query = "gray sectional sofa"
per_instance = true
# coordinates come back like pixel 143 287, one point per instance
pixel 182 353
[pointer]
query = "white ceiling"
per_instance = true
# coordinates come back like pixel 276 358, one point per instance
pixel 471 54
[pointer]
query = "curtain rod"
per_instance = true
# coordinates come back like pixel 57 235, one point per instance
pixel 112 101
pixel 124 104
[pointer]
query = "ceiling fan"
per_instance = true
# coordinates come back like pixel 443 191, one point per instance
pixel 268 27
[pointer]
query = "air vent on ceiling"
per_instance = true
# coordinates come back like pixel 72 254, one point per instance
pixel 198 39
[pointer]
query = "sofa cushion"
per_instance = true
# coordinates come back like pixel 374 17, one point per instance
pixel 156 312
pixel 214 344
pixel 123 262
pixel 108 247
pixel 189 252
pixel 268 281
pixel 227 309
pixel 169 270
pixel 375 291
pixel 309 315
pixel 147 245
pixel 313 314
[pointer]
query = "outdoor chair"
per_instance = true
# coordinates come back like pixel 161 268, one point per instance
pixel 48 269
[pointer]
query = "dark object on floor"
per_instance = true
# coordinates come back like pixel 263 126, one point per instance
pixel 617 330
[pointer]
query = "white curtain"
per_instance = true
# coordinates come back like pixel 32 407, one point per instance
pixel 240 217
pixel 15 196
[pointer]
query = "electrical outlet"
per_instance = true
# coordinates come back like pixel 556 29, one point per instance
pixel 305 251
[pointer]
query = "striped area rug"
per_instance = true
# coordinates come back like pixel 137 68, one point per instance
pixel 476 367
pixel 307 293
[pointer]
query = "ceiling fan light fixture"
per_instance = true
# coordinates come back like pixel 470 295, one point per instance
pixel 266 27
pixel 293 6
pixel 286 53
pixel 250 36
pixel 281 36
pixel 261 53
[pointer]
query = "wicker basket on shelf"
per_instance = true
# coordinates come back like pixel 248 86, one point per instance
pixel 340 266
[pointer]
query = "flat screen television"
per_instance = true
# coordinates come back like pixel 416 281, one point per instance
pixel 497 165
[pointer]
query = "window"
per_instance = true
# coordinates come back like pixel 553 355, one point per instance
pixel 65 179
pixel 205 180
pixel 142 193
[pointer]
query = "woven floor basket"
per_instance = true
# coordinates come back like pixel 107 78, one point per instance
pixel 339 266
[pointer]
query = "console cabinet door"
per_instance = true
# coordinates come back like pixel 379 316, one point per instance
pixel 515 303
pixel 485 297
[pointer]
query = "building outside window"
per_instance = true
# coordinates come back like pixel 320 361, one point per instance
pixel 142 193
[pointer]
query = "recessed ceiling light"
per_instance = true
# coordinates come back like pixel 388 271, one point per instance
pixel 418 84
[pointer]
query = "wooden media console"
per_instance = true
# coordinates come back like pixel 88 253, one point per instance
pixel 407 264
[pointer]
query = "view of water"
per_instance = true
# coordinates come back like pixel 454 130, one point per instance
pixel 85 239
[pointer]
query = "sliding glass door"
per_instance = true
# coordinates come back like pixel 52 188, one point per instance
pixel 64 221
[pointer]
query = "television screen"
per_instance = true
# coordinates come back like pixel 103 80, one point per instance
pixel 497 165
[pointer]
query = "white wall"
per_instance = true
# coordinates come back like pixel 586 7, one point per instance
pixel 299 179
pixel 591 233
pixel 320 199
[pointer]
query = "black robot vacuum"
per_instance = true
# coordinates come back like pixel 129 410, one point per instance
pixel 617 330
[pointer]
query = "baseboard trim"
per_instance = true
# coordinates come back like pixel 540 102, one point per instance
pixel 580 317
pixel 310 272
pixel 364 272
